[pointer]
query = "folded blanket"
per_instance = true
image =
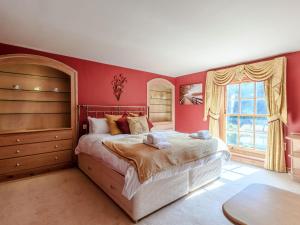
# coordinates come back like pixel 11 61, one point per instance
pixel 159 145
pixel 148 161
pixel 156 137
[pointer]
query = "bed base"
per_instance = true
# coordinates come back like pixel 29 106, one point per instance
pixel 146 200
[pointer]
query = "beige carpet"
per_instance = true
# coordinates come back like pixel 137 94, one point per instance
pixel 68 197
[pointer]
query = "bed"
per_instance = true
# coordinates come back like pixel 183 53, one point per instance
pixel 119 179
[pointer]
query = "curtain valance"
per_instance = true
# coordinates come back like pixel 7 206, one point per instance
pixel 261 71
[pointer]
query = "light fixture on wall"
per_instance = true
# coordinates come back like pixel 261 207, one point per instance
pixel 36 88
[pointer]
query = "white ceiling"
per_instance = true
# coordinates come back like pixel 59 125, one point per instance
pixel 170 37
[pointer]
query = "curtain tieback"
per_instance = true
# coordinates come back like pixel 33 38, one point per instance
pixel 213 115
pixel 274 118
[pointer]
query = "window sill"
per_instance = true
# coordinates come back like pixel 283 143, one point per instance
pixel 252 157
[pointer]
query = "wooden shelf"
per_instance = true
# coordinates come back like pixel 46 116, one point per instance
pixel 161 99
pixel 161 104
pixel 161 121
pixel 161 112
pixel 12 89
pixel 169 92
pixel 16 100
pixel 36 76
pixel 33 113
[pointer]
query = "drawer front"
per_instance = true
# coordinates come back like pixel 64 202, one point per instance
pixel 30 162
pixel 33 137
pixel 109 180
pixel 296 145
pixel 35 148
pixel 296 163
pixel 296 172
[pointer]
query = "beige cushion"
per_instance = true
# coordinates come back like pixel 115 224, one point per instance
pixel 138 125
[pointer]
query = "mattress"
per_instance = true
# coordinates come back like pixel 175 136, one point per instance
pixel 91 144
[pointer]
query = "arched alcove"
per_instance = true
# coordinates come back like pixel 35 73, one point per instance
pixel 161 103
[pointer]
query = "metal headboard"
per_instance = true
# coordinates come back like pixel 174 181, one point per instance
pixel 99 111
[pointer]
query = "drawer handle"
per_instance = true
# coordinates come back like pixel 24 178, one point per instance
pixel 112 187
pixel 56 157
pixel 18 164
pixel 56 146
pixel 18 140
pixel 56 136
pixel 89 168
pixel 18 151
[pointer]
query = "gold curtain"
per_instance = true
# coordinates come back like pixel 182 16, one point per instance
pixel 273 73
pixel 214 99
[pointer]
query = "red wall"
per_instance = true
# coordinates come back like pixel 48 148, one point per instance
pixel 94 79
pixel 189 118
pixel 293 91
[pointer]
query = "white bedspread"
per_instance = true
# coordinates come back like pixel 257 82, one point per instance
pixel 91 144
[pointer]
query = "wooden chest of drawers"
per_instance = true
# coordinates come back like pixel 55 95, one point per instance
pixel 295 155
pixel 23 153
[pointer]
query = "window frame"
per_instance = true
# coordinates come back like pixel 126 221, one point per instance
pixel 237 148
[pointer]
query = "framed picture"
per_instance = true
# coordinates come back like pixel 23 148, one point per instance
pixel 191 94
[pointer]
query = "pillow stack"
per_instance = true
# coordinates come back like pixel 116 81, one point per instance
pixel 120 124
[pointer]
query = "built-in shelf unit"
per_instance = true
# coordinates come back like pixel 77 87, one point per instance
pixel 38 98
pixel 295 155
pixel 161 103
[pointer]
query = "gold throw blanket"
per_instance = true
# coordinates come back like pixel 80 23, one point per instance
pixel 148 160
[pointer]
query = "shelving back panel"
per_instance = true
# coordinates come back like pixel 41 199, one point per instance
pixel 34 97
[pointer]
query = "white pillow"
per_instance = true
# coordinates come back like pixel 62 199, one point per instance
pixel 98 125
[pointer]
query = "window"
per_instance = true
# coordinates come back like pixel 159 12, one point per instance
pixel 246 116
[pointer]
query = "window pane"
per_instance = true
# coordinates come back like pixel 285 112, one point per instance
pixel 246 140
pixel 233 107
pixel 260 91
pixel 247 106
pixel 246 123
pixel 232 98
pixel 247 90
pixel 232 138
pixel 261 107
pixel 261 141
pixel 232 123
pixel 261 124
